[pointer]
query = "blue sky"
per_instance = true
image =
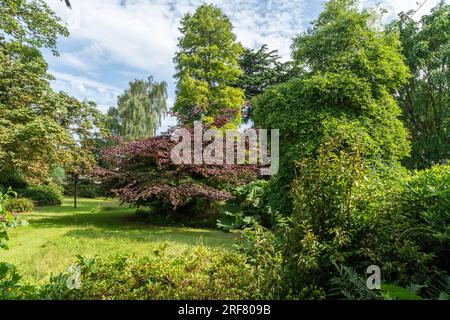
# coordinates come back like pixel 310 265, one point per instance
pixel 115 41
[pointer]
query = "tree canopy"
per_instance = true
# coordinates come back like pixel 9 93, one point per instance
pixel 352 72
pixel 425 100
pixel 38 127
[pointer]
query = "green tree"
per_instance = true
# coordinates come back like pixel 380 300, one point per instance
pixel 139 110
pixel 352 72
pixel 207 62
pixel 425 100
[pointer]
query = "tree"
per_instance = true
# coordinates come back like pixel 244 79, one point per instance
pixel 206 64
pixel 262 69
pixel 38 127
pixel 139 110
pixel 352 72
pixel 425 100
pixel 142 173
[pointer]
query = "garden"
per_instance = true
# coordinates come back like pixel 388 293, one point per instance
pixel 94 207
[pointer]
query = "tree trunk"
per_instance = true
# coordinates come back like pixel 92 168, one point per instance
pixel 75 187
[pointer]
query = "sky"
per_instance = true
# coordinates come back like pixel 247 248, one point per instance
pixel 113 42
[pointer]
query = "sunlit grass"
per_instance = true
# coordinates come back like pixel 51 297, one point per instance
pixel 56 235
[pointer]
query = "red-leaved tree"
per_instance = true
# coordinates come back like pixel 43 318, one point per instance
pixel 142 173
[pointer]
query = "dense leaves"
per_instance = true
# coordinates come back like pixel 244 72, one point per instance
pixel 425 100
pixel 352 72
pixel 139 110
pixel 198 274
pixel 207 63
pixel 38 127
pixel 142 172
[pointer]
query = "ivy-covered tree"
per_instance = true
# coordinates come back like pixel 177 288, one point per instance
pixel 425 100
pixel 139 110
pixel 352 72
pixel 207 63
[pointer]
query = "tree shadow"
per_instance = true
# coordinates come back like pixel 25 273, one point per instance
pixel 119 222
pixel 210 238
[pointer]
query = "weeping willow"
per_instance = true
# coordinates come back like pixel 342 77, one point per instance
pixel 140 110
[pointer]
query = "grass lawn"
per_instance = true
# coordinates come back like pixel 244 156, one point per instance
pixel 56 235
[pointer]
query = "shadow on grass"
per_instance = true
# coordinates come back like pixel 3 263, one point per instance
pixel 156 234
pixel 97 220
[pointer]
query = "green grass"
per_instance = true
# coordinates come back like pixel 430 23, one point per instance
pixel 56 235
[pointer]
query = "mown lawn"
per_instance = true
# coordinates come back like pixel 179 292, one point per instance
pixel 56 235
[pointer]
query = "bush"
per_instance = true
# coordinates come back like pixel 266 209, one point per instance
pixel 346 217
pixel 43 195
pixel 12 180
pixel 199 274
pixel 19 205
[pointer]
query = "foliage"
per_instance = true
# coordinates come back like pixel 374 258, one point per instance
pixel 199 274
pixel 202 215
pixel 85 189
pixel 31 22
pixel 19 205
pixel 426 203
pixel 346 215
pixel 352 72
pixel 9 281
pixel 12 180
pixel 207 63
pixel 9 278
pixel 393 292
pixel 38 127
pixel 142 173
pixel 262 69
pixel 42 195
pixel 425 100
pixel 249 206
pixel 349 285
pixel 139 110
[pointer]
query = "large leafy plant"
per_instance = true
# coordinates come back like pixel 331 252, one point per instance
pixel 9 278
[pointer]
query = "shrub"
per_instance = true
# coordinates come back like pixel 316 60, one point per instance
pixel 204 218
pixel 249 206
pixel 199 274
pixel 19 205
pixel 43 195
pixel 426 203
pixel 13 180
pixel 144 174
pixel 347 217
